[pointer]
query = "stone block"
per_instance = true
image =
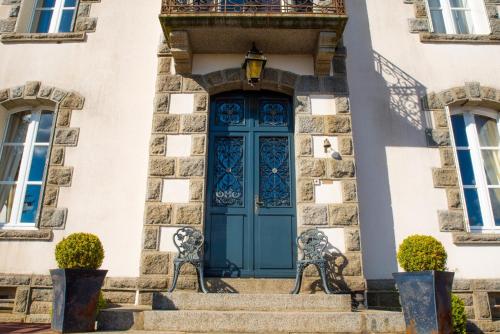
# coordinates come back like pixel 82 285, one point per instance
pixel 349 191
pixel 473 89
pixel 60 176
pixel 166 123
pixel 120 297
pixel 85 24
pixel 196 190
pixel 459 93
pixel 57 156
pixel 482 308
pixel 152 283
pixel 63 118
pixel 161 102
pixel 168 83
pixel 342 105
pixel 312 167
pixel 58 94
pixel 215 78
pixel 314 214
pixel 198 144
pixel 41 295
pixel 41 280
pixel 164 65
pixel 486 284
pixel 302 104
pixel 21 300
pixel 16 92
pixel 4 94
pixel 440 119
pixel 451 221
pixel 306 191
pixel 73 101
pixel 44 92
pixel 193 123
pixel 53 218
pixel 14 280
pixel 150 238
pixel 40 308
pixel 31 89
pixel 288 79
pixel 447 157
pixel 161 166
pixel 466 298
pixel 352 239
pixel 158 145
pixel 343 214
pixel 337 124
pixel 191 167
pixel 154 263
pixel 345 146
pixel 351 267
pixel 311 124
pixel 488 93
pixel 158 213
pixel 454 199
pixel 308 83
pixel 192 84
pixel 189 214
pixel 462 285
pixel 50 196
pixel 432 102
pixel 305 146
pixel 445 177
pixel 341 168
pixel 200 102
pixel 66 136
pixel 154 189
pixel 336 84
pixel 120 283
pixel 418 25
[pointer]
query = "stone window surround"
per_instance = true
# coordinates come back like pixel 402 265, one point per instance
pixel 34 93
pixel 158 264
pixel 420 25
pixel 83 24
pixel 446 176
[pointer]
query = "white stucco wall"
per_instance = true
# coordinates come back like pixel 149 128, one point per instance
pixel 396 193
pixel 115 70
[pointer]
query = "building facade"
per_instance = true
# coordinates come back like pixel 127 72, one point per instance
pixel 369 124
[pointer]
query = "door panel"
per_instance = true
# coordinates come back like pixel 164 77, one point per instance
pixel 250 225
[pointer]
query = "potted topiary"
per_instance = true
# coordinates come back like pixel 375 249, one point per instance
pixel 76 286
pixel 425 288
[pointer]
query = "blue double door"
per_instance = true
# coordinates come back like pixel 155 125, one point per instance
pixel 250 211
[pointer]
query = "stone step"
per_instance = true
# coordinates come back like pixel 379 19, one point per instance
pixel 273 322
pixel 252 285
pixel 252 302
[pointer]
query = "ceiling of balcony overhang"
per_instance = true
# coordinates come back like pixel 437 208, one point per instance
pixel 239 40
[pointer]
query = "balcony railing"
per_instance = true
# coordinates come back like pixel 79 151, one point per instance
pixel 288 7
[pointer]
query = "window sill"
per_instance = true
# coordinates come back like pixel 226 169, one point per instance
pixel 43 38
pixel 427 37
pixel 476 238
pixel 26 235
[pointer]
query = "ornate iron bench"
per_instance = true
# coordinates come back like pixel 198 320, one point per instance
pixel 312 243
pixel 188 242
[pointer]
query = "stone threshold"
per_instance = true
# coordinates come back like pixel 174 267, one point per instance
pixel 43 38
pixel 426 37
pixel 476 238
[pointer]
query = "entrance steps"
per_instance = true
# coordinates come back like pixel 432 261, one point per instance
pixel 185 312
pixel 250 285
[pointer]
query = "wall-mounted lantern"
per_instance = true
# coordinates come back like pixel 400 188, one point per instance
pixel 254 64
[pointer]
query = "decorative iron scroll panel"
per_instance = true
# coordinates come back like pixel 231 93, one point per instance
pixel 274 172
pixel 288 7
pixel 250 215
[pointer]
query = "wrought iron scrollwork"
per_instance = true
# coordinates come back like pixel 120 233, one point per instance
pixel 312 243
pixel 274 172
pixel 228 177
pixel 189 242
pixel 332 7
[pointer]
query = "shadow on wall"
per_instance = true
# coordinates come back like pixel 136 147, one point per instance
pixel 386 112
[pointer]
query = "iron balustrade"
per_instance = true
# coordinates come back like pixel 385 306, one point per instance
pixel 288 7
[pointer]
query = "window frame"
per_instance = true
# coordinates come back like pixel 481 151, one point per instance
pixel 56 18
pixel 479 172
pixel 479 23
pixel 22 181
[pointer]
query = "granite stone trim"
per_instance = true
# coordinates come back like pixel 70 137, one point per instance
pixel 33 94
pixel 446 176
pixel 83 24
pixel 193 167
pixel 420 24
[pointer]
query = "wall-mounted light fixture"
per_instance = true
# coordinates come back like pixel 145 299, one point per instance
pixel 254 64
pixel 328 148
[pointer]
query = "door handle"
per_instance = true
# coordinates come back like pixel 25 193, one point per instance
pixel 258 203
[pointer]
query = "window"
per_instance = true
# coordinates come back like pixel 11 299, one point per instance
pixel 52 16
pixel 477 141
pixel 23 160
pixel 458 16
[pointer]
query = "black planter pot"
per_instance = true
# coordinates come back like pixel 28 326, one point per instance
pixel 76 293
pixel 426 301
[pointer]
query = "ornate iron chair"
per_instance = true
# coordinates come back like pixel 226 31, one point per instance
pixel 312 243
pixel 188 242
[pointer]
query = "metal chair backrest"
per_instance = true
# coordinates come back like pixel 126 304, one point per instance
pixel 188 242
pixel 312 243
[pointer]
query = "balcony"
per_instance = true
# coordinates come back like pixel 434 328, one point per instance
pixel 276 26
